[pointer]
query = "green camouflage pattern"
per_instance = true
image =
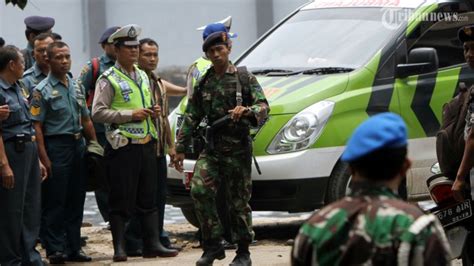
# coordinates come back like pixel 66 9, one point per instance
pixel 213 100
pixel 228 166
pixel 372 226
pixel 233 174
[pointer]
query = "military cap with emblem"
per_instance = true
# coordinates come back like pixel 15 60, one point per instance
pixel 466 33
pixel 105 36
pixel 39 23
pixel 385 130
pixel 215 38
pixel 216 27
pixel 126 35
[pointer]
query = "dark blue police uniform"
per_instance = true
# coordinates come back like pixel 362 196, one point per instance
pixel 20 206
pixel 59 108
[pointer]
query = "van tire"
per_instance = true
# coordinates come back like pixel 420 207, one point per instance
pixel 190 215
pixel 338 182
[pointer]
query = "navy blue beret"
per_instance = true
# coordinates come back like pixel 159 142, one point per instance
pixel 39 23
pixel 385 130
pixel 215 38
pixel 105 36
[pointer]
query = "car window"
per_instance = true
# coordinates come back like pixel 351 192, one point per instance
pixel 319 38
pixel 442 34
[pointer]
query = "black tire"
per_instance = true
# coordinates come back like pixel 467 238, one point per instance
pixel 190 215
pixel 338 182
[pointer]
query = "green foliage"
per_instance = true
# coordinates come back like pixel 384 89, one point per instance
pixel 20 3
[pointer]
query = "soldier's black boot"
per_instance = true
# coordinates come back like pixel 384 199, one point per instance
pixel 243 256
pixel 212 250
pixel 152 246
pixel 117 226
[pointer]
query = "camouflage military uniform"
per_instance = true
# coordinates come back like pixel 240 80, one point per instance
pixel 230 162
pixel 372 226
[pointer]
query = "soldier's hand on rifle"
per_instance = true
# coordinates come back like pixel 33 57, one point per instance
pixel 141 114
pixel 458 188
pixel 178 162
pixel 238 112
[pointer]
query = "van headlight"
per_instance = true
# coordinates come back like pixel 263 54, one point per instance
pixel 303 129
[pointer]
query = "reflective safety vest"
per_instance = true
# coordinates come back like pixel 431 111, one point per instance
pixel 200 67
pixel 130 96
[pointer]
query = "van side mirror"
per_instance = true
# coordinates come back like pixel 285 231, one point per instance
pixel 420 61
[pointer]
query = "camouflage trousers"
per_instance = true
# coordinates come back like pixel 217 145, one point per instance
pixel 233 175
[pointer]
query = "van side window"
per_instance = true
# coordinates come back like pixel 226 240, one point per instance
pixel 439 30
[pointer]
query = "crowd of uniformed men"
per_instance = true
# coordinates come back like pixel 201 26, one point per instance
pixel 116 110
pixel 47 128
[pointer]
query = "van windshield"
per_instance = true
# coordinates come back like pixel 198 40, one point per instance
pixel 344 38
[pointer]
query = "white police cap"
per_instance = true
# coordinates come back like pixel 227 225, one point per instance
pixel 227 23
pixel 127 35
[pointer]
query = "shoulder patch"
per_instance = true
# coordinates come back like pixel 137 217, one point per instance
pixel 107 72
pixel 28 72
pixel 42 85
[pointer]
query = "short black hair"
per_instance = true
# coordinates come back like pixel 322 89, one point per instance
pixel 56 36
pixel 30 30
pixel 148 41
pixel 43 36
pixel 56 44
pixel 380 165
pixel 2 42
pixel 7 54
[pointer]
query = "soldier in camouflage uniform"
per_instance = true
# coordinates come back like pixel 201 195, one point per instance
pixel 373 226
pixel 229 163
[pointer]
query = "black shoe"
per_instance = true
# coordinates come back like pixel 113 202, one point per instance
pixel 78 256
pixel 117 226
pixel 241 259
pixel 171 246
pixel 212 251
pixel 57 258
pixel 152 246
pixel 84 241
pixel 134 253
pixel 227 245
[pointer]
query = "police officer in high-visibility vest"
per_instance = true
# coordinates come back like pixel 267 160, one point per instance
pixel 202 64
pixel 123 102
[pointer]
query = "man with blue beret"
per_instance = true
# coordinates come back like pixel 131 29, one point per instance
pixel 202 64
pixel 461 185
pixel 89 75
pixel 35 25
pixel 373 225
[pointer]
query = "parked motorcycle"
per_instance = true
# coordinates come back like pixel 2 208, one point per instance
pixel 455 217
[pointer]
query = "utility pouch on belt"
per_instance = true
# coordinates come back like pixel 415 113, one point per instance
pixel 20 143
pixel 115 139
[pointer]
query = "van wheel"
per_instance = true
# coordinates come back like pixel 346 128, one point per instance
pixel 338 184
pixel 190 215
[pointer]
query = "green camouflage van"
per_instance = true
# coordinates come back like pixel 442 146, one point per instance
pixel 327 67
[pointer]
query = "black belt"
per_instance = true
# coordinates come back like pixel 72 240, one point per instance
pixel 76 136
pixel 22 137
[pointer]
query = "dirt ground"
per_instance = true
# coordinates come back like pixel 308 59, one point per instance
pixel 273 245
